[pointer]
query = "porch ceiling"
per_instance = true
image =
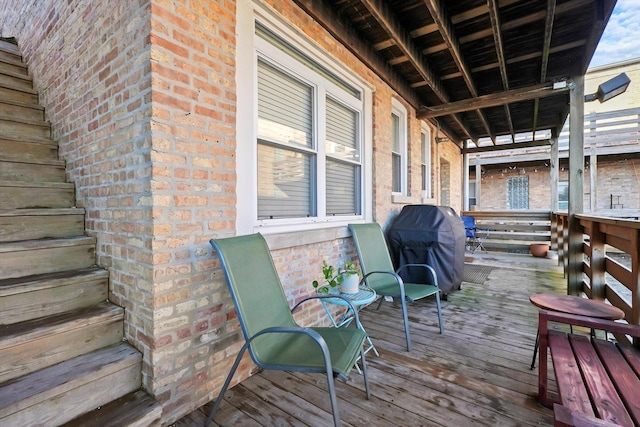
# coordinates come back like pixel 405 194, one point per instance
pixel 478 69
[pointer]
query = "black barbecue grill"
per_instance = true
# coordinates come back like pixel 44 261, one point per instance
pixel 433 235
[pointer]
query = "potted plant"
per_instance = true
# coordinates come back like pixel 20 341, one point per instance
pixel 350 278
pixel 345 278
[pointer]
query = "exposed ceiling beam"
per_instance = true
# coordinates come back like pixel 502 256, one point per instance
pixel 343 31
pixel 491 100
pixel 380 11
pixel 445 27
pixel 538 16
pixel 546 49
pixel 504 147
pixel 446 31
pixel 604 9
pixel 516 59
pixel 494 15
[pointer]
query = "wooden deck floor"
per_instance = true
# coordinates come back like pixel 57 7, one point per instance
pixel 477 373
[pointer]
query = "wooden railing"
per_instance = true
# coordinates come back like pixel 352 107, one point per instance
pixel 513 231
pixel 611 263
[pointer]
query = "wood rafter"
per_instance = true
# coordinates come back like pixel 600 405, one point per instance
pixel 517 59
pixel 538 16
pixel 403 41
pixel 494 15
pixel 445 27
pixel 342 31
pixel 492 100
pixel 512 146
pixel 546 51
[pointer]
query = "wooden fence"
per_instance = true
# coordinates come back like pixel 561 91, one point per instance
pixel 611 261
pixel 513 231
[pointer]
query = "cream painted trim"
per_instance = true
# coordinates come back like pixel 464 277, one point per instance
pixel 246 127
pixel 401 199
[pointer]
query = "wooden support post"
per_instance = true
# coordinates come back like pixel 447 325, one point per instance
pixel 593 180
pixel 576 184
pixel 465 180
pixel 478 183
pixel 554 178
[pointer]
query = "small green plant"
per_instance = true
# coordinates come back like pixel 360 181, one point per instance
pixel 334 276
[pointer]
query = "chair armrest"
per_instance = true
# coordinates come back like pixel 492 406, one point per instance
pixel 390 273
pixel 348 301
pixel 432 272
pixel 546 316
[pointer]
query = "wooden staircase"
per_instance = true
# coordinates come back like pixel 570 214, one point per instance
pixel 61 348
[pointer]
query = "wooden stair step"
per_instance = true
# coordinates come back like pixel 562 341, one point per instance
pixel 13 66
pixel 10 44
pixel 33 257
pixel 20 95
pixel 52 171
pixel 24 195
pixel 16 79
pixel 32 224
pixel 21 110
pixel 32 345
pixel 7 53
pixel 23 299
pixel 60 393
pixel 22 128
pixel 136 409
pixel 24 150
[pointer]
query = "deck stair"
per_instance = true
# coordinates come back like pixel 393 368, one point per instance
pixel 64 361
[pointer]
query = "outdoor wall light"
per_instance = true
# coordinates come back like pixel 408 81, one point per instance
pixel 610 88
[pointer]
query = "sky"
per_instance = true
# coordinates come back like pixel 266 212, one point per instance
pixel 621 38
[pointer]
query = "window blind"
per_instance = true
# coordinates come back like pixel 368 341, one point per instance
pixel 285 120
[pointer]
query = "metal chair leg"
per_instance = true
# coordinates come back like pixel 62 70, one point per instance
pixel 439 313
pixel 332 397
pixel 406 322
pixel 364 373
pixel 226 384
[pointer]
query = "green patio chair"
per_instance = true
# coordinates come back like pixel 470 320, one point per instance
pixel 379 274
pixel 273 338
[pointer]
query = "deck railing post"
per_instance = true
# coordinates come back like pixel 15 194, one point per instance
pixel 554 231
pixel 635 286
pixel 597 262
pixel 576 185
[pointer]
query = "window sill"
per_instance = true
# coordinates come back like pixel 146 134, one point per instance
pixel 306 237
pixel 401 199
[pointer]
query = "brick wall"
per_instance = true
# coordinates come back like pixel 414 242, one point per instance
pixel 449 153
pixel 614 177
pixel 90 64
pixel 141 96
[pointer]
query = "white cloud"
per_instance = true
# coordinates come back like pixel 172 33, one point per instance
pixel 621 38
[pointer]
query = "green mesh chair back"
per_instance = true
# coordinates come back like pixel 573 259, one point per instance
pixel 377 269
pixel 373 255
pixel 255 288
pixel 272 337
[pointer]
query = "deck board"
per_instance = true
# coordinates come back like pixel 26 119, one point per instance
pixel 477 373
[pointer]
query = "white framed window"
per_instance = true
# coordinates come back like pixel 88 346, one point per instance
pixel 305 163
pixel 425 160
pixel 398 148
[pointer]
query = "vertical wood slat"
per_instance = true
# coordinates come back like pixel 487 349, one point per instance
pixel 635 285
pixel 598 256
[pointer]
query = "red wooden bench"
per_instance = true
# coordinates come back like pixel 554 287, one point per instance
pixel 598 381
